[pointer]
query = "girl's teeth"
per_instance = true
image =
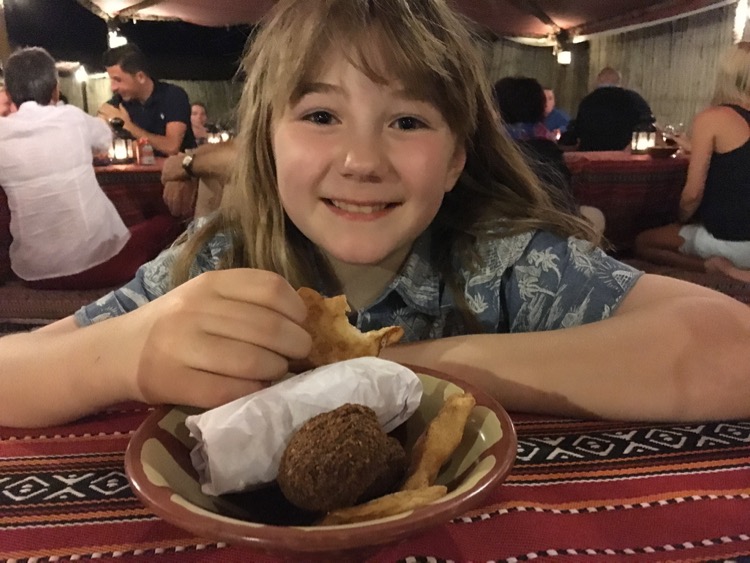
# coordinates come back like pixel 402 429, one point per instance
pixel 364 209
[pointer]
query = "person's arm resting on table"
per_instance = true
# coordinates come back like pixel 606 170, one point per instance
pixel 210 161
pixel 215 338
pixel 169 143
pixel 671 351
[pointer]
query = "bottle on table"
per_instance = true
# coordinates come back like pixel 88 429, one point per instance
pixel 145 152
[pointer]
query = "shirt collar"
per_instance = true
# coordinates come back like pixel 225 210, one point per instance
pixel 418 283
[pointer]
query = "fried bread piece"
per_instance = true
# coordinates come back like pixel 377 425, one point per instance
pixel 334 337
pixel 438 442
pixel 387 505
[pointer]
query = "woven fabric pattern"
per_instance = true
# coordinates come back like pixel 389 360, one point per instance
pixel 580 491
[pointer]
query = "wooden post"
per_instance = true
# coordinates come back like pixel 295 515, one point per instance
pixel 85 95
pixel 5 49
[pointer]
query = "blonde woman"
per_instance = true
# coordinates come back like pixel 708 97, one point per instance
pixel 713 232
pixel 370 163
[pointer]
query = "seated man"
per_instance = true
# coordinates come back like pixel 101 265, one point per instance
pixel 158 111
pixel 607 116
pixel 210 166
pixel 521 102
pixel 66 233
pixel 555 119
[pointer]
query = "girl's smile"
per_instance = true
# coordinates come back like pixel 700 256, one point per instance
pixel 362 167
pixel 360 211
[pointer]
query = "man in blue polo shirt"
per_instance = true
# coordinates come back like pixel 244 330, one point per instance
pixel 149 108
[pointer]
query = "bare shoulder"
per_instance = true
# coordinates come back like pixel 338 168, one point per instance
pixel 709 117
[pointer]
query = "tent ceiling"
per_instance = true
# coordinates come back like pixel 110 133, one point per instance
pixel 529 19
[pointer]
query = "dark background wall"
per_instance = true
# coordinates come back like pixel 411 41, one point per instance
pixel 177 50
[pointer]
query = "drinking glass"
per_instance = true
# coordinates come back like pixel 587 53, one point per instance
pixel 671 131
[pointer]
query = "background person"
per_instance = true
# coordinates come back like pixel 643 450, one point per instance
pixel 714 214
pixel 6 104
pixel 607 116
pixel 555 119
pixel 194 183
pixel 198 120
pixel 66 233
pixel 374 168
pixel 521 102
pixel 149 108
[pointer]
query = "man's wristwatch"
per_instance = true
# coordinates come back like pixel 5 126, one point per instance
pixel 187 165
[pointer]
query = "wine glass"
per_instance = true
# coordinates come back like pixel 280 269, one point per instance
pixel 672 131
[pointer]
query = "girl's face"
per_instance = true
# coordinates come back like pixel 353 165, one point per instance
pixel 198 115
pixel 362 168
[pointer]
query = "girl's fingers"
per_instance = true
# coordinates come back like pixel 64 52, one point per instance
pixel 235 359
pixel 258 287
pixel 256 325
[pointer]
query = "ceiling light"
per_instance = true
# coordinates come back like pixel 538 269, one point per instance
pixel 564 57
pixel 81 74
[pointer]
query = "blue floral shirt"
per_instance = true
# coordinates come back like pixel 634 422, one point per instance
pixel 528 282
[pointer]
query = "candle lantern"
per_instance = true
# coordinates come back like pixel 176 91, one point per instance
pixel 644 137
pixel 122 150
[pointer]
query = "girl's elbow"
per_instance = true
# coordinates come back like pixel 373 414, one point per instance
pixel 711 377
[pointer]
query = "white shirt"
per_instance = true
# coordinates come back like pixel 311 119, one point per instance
pixel 61 221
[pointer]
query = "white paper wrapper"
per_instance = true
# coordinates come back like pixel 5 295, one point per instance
pixel 240 444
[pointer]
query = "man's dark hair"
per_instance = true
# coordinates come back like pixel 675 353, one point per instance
pixel 30 76
pixel 128 57
pixel 520 99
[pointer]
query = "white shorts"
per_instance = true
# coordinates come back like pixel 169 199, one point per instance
pixel 699 242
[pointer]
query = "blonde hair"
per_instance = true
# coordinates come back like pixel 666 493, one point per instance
pixel 430 50
pixel 733 77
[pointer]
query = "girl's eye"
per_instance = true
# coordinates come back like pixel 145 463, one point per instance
pixel 320 117
pixel 408 123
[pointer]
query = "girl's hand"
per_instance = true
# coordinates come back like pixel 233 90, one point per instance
pixel 218 337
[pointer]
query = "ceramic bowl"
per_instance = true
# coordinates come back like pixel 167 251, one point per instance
pixel 158 466
pixel 662 151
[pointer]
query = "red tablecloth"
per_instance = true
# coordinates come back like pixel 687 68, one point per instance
pixel 635 192
pixel 580 491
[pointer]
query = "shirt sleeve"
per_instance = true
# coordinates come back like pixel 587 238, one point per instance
pixel 559 283
pixel 153 280
pixel 177 107
pixel 99 132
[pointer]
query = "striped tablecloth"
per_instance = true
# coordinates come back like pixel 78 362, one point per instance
pixel 580 491
pixel 635 192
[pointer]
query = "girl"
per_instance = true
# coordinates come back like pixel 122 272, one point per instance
pixel 713 232
pixel 370 163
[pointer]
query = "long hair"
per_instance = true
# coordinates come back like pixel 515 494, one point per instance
pixel 733 77
pixel 431 51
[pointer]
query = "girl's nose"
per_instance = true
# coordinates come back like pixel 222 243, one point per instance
pixel 364 157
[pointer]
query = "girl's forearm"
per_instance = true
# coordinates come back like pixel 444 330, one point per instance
pixel 671 361
pixel 55 376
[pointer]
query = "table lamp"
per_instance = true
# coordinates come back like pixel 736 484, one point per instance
pixel 122 149
pixel 644 136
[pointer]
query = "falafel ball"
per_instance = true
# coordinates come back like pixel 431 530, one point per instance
pixel 340 458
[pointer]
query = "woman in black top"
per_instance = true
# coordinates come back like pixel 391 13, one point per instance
pixel 713 232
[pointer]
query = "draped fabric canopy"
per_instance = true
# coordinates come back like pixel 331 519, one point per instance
pixel 531 20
